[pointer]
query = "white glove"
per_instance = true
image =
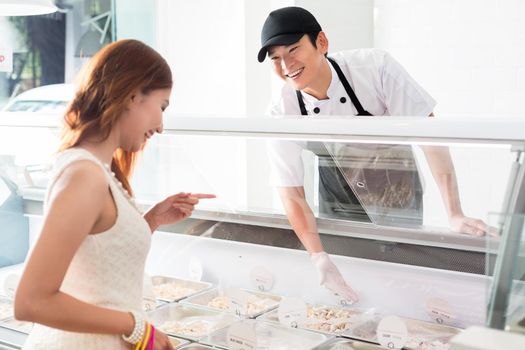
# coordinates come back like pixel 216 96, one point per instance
pixel 330 278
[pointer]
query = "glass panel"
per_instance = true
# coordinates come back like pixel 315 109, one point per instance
pixel 507 278
pixel 386 184
pixel 400 188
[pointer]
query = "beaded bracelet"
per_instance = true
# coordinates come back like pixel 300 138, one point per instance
pixel 145 340
pixel 138 330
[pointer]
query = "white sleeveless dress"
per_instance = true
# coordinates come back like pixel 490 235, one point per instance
pixel 107 270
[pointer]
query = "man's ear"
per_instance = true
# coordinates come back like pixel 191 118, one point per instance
pixel 322 43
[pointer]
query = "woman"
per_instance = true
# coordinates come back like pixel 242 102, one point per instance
pixel 83 282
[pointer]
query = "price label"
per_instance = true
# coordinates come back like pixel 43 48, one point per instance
pixel 6 60
pixel 392 332
pixel 440 311
pixel 149 304
pixel 261 278
pixel 238 300
pixel 292 312
pixel 195 269
pixel 242 336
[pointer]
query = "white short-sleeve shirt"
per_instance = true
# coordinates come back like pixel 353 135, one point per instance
pixel 380 83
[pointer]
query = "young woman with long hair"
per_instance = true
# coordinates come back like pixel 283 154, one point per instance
pixel 82 284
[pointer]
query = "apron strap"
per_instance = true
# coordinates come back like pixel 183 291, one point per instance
pixel 348 88
pixel 301 102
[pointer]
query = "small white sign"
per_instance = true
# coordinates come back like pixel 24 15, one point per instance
pixel 242 336
pixel 149 304
pixel 440 311
pixel 292 312
pixel 149 301
pixel 261 278
pixel 392 332
pixel 238 300
pixel 6 59
pixel 195 269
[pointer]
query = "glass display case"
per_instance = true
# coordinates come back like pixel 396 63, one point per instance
pixel 391 235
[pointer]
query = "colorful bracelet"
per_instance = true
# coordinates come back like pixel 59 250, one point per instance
pixel 152 338
pixel 138 330
pixel 145 340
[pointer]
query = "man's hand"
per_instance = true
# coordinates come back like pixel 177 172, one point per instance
pixel 471 226
pixel 330 278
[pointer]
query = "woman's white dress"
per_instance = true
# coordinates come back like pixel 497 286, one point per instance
pixel 107 270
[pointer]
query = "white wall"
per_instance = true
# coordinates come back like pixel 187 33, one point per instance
pixel 469 54
pixel 204 42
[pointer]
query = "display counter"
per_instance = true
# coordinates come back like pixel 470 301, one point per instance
pixel 403 259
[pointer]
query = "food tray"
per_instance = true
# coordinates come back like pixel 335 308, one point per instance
pixel 268 302
pixel 148 304
pixel 6 308
pixel 347 344
pixel 170 289
pixel 271 335
pixel 177 343
pixel 332 320
pixel 196 347
pixel 20 326
pixel 191 322
pixel 421 335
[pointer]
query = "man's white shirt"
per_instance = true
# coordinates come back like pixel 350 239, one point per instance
pixel 380 83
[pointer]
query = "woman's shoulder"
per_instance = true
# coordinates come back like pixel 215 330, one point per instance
pixel 78 167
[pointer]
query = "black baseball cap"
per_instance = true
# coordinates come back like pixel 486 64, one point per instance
pixel 286 26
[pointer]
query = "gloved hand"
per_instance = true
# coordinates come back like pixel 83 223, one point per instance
pixel 330 278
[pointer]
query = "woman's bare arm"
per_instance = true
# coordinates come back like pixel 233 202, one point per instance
pixel 75 206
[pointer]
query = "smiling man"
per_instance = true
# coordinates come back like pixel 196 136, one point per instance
pixel 364 82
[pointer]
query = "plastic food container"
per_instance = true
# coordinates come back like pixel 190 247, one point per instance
pixel 196 347
pixel 170 289
pixel 257 304
pixel 185 321
pixel 6 308
pixel 177 343
pixel 332 320
pixel 347 344
pixel 270 335
pixel 20 326
pixel 421 335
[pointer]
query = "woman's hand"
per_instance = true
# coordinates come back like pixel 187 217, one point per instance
pixel 161 341
pixel 174 209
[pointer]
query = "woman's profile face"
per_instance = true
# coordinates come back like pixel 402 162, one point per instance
pixel 143 118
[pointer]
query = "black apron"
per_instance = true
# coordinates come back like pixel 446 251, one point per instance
pixel 375 183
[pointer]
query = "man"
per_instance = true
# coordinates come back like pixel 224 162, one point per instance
pixel 357 82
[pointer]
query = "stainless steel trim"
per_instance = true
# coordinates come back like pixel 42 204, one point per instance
pixel 428 236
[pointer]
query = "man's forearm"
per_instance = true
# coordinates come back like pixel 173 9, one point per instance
pixel 444 174
pixel 301 218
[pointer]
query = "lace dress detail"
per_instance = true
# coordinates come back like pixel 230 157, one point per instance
pixel 107 270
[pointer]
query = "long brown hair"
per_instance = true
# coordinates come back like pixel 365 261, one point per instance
pixel 105 87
